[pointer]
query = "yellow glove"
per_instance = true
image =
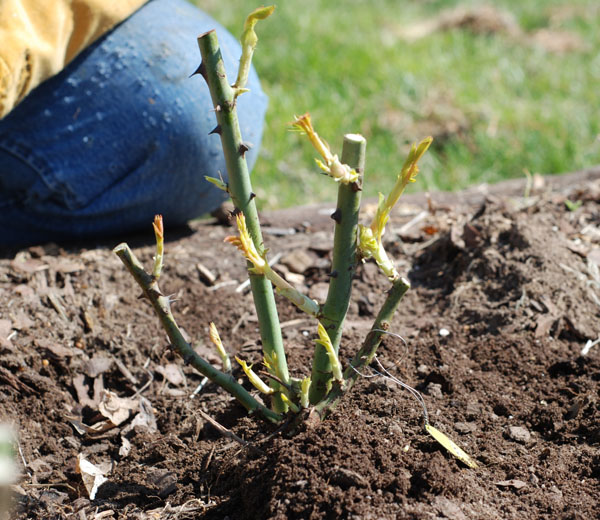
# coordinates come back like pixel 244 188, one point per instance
pixel 38 38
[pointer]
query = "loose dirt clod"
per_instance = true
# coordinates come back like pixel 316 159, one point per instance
pixel 519 434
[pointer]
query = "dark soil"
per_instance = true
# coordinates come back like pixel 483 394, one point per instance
pixel 506 293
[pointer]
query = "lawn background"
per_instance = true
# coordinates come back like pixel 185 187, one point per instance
pixel 497 96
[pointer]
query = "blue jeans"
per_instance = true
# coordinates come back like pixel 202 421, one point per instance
pixel 122 133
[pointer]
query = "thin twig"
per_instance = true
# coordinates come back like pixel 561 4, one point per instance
pixel 412 222
pixel 277 431
pixel 146 384
pixel 25 465
pixel 228 433
pixel 222 284
pixel 206 274
pixel 297 321
pixel 275 378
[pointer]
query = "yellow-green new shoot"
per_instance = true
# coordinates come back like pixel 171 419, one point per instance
pixel 245 244
pixel 258 383
pixel 369 238
pixel 408 174
pixel 304 388
pixel 371 247
pixel 270 363
pixel 325 342
pixel 293 406
pixel 159 235
pixel 249 41
pixel 332 165
pixel 216 339
pixel 219 183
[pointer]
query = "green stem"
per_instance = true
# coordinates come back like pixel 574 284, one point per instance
pixel 162 307
pixel 240 189
pixel 369 348
pixel 343 265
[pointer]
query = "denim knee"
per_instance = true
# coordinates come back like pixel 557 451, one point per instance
pixel 123 132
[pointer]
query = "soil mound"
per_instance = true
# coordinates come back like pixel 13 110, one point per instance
pixel 499 329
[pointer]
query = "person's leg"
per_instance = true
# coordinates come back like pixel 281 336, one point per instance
pixel 121 134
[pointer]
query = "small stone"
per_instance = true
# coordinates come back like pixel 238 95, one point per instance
pixel 80 503
pixel 464 427
pixel 319 291
pixel 51 496
pixel 394 428
pixel 297 261
pixel 473 410
pixel 556 491
pixel 513 483
pixel 295 278
pixel 519 434
pixel 594 255
pixel 422 370
pixel 164 480
pixel 96 366
pixel 434 390
pixel 346 478
pixel 448 509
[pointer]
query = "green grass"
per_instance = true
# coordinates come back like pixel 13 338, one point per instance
pixel 496 104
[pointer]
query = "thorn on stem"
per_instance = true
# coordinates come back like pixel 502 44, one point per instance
pixel 333 274
pixel 236 211
pixel 188 359
pixel 337 215
pixel 243 148
pixel 252 196
pixel 154 289
pixel 215 130
pixel 200 70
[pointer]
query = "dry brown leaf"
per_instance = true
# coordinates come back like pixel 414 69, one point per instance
pixel 172 373
pixel 28 266
pixel 65 265
pixel 21 321
pixel 145 419
pixel 97 365
pixel 5 331
pixel 56 349
pixel 116 409
pixel 125 447
pixel 83 390
pixel 92 476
